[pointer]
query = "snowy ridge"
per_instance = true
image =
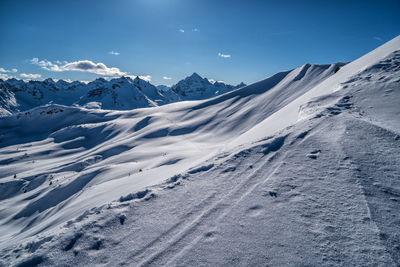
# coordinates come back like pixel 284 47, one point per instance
pixel 208 182
pixel 289 115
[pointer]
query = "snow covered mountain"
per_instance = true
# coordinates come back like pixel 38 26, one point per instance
pixel 118 94
pixel 121 93
pixel 195 87
pixel 301 168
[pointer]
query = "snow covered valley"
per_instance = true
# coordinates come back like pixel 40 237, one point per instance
pixel 302 168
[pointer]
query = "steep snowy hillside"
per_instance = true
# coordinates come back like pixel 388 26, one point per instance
pixel 301 168
pixel 8 103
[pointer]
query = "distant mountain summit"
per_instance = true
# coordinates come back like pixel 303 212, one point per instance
pixel 121 93
pixel 194 87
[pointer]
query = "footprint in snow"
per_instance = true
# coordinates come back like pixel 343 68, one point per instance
pixel 314 154
pixel 254 211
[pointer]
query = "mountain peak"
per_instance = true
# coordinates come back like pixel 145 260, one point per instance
pixel 100 80
pixel 49 80
pixel 139 79
pixel 242 84
pixel 63 82
pixel 195 76
pixel 122 79
pixel 141 83
pixel 125 78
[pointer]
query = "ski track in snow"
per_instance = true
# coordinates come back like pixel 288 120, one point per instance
pixel 214 212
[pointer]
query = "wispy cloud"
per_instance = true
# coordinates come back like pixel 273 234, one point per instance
pixel 3 70
pixel 166 78
pixel 377 38
pixel 5 76
pixel 214 81
pixel 181 30
pixel 65 80
pixel 45 64
pixel 195 30
pixel 30 76
pixel 114 53
pixel 224 55
pixel 146 78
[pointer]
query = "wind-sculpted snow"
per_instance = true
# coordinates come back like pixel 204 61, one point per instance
pixel 56 196
pixel 201 169
pixel 298 169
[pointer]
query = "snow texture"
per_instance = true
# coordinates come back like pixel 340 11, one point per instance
pixel 299 169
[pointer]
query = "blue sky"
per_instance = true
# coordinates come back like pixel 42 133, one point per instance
pixel 166 40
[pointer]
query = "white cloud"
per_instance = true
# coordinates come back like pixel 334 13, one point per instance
pixel 195 30
pixel 12 70
pixel 113 53
pixel 214 81
pixel 45 64
pixel 86 66
pixel 30 76
pixel 181 30
pixel 166 78
pixel 146 78
pixel 65 80
pixel 377 38
pixel 5 76
pixel 81 65
pixel 90 66
pixel 224 55
pixel 58 62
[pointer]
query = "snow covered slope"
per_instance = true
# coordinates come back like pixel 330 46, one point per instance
pixel 299 169
pixel 289 115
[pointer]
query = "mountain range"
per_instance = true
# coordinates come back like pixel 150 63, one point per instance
pixel 121 93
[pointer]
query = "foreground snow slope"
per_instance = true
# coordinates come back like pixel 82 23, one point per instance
pixel 324 190
pixel 69 159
